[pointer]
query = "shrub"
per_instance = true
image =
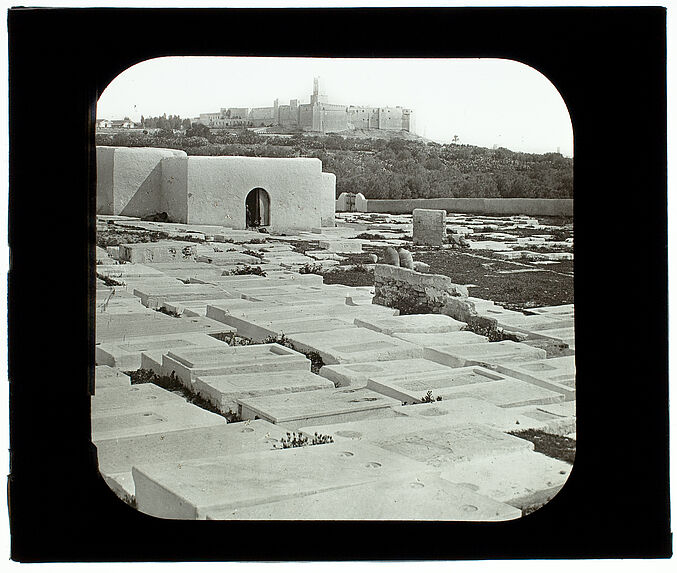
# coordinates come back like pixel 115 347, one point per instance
pixel 294 440
pixel 245 270
pixel 311 269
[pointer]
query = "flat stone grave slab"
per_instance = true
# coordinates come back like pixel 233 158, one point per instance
pixel 484 354
pixel 444 447
pixel 189 364
pixel 463 411
pixel 566 335
pixel 425 498
pixel 320 406
pixel 129 270
pixel 107 377
pixel 357 375
pixel 223 391
pixel 412 323
pixel 507 393
pixel 371 430
pixel 192 307
pixel 129 307
pixel 534 323
pixel 412 388
pixel 226 258
pixel 344 246
pixel 557 374
pixel 442 338
pixel 120 454
pixel 519 479
pixel 261 329
pixel 137 397
pixel 354 345
pixel 155 296
pixel 192 489
pixel 111 328
pixel 126 354
pixel 548 418
pixel 564 311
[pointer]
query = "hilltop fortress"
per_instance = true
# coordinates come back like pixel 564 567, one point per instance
pixel 318 115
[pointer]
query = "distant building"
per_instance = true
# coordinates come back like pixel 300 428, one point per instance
pixel 319 115
pixel 122 123
pixel 104 123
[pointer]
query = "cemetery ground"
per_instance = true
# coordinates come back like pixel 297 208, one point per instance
pixel 248 375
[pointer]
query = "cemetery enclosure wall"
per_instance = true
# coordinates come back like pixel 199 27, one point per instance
pixel 479 206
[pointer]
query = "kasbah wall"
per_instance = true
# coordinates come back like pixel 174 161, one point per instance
pixel 213 190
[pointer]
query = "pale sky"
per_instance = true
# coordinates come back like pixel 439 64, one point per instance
pixel 485 102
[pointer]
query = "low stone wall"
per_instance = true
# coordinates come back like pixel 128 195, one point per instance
pixel 489 206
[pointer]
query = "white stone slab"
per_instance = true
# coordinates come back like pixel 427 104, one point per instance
pixel 126 354
pixel 354 345
pixel 520 479
pixel 563 311
pixel 261 329
pixel 557 374
pixel 484 354
pixel 357 375
pixel 447 446
pixel 317 407
pixel 189 364
pixel 120 454
pixel 425 498
pixel 195 488
pixel 224 390
pixel 412 323
pixel 345 246
pixel 107 377
pixel 434 340
pixel 154 296
pixel 412 388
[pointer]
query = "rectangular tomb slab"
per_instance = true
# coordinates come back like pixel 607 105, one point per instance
pixel 357 374
pixel 443 447
pixel 260 329
pixel 354 345
pixel 520 479
pixel 425 498
pixel 136 397
pixel 193 489
pixel 224 390
pixel 412 323
pixel 482 354
pixel 107 377
pixel 412 388
pixel 126 354
pixel 557 374
pixel 189 364
pixel 321 406
pixel 120 454
pixel 442 338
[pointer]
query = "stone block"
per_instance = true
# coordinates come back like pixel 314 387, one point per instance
pixel 107 377
pixel 193 489
pixel 434 339
pixel 425 498
pixel 520 479
pixel 391 257
pixel 556 374
pixel 126 354
pixel 447 446
pixel 317 407
pixel 484 354
pixel 429 226
pixel 190 364
pixel 223 391
pixel 357 375
pixel 346 246
pixel 406 260
pixel 260 329
pixel 154 296
pixel 354 345
pixel 412 323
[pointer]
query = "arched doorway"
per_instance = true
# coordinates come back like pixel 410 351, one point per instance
pixel 257 208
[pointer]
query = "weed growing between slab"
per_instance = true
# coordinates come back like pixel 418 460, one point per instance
pixel 245 270
pixel 294 440
pixel 310 269
pixel 172 384
pixel 115 237
pixel 427 399
pixel 231 338
pixel 251 253
pixel 108 281
pixel 551 445
pixel 316 361
pixel 370 237
pixel 357 275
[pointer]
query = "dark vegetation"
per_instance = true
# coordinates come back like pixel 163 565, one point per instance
pixel 231 338
pixel 381 169
pixel 316 361
pixel 245 270
pixel 356 275
pixel 108 281
pixel 114 237
pixel 294 440
pixel 551 445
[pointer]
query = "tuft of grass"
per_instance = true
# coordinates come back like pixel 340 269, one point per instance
pixel 108 281
pixel 245 270
pixel 231 338
pixel 316 361
pixel 552 445
pixel 294 440
pixel 311 269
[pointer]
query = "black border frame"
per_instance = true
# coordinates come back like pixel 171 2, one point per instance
pixel 609 64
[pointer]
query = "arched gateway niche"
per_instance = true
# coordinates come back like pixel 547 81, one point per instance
pixel 257 208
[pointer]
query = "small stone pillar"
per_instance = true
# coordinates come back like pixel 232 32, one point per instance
pixel 429 227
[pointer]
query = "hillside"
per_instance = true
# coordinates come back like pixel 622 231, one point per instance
pixel 388 166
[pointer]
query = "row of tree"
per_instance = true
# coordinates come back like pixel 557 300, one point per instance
pixel 384 169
